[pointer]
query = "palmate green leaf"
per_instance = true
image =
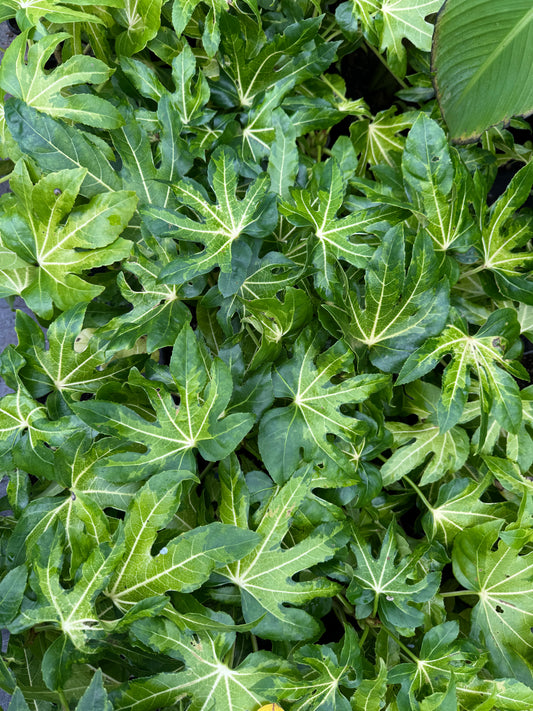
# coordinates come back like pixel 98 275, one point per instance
pixel 31 222
pixel 74 362
pixel 441 655
pixel 459 506
pixel 389 22
pixel 424 445
pixel 220 224
pixel 484 354
pixel 22 75
pixel 304 426
pixel 157 313
pixel 185 562
pixel 56 146
pixel 152 176
pixel 207 679
pixel 501 579
pixel 198 422
pixel 191 90
pixel 481 55
pixel 142 19
pixel 24 420
pixel 505 236
pixel 327 673
pixel 400 309
pixel 378 141
pixel 334 237
pixel 438 184
pixel 72 611
pixel 254 64
pixel 264 577
pixel 28 15
pixel 73 468
pixel 388 585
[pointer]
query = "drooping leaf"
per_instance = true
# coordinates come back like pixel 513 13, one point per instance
pixel 481 64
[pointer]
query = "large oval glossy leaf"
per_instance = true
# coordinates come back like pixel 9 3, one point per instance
pixel 483 63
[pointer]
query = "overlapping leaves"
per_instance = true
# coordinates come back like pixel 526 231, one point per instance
pixel 272 387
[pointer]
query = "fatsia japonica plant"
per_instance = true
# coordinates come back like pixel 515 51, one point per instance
pixel 268 436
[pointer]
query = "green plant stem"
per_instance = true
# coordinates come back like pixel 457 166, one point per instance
pixel 458 593
pixel 402 646
pixel 419 492
pixel 63 700
pixel 384 62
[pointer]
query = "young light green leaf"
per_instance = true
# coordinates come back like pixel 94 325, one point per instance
pixel 264 577
pixel 437 183
pixel 441 453
pixel 379 141
pixel 72 611
pixel 158 314
pixel 459 506
pixel 256 64
pixel 328 672
pixel 22 75
pixel 392 21
pixel 75 361
pixel 505 236
pixel 441 657
pixel 59 242
pixel 207 679
pixel 334 237
pixel 484 354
